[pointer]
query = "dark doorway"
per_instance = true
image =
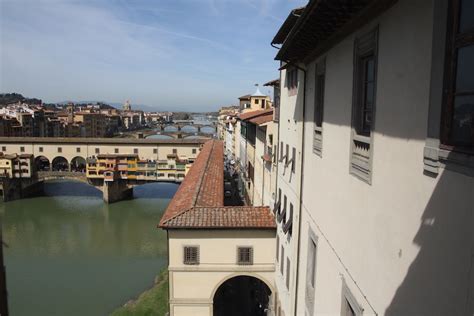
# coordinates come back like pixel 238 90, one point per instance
pixel 242 295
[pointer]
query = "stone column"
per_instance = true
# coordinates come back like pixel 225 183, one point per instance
pixel 118 190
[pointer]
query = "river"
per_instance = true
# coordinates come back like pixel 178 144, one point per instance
pixel 71 254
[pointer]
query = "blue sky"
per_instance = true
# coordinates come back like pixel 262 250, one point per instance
pixel 192 55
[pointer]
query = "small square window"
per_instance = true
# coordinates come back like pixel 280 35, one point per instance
pixel 60 150
pixel 97 150
pixel 135 150
pixel 175 151
pixel 194 150
pixel 116 150
pixel 191 255
pixel 78 149
pixel 22 149
pixel 40 149
pixel 155 150
pixel 244 255
pixel 4 148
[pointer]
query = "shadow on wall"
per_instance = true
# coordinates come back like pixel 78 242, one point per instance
pixel 441 277
pixel 440 280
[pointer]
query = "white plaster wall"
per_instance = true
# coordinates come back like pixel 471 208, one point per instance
pixel 290 132
pixel 407 239
pixel 192 288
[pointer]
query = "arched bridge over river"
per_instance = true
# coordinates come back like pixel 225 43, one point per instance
pixel 114 166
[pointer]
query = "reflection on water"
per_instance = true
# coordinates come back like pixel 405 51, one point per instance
pixel 71 254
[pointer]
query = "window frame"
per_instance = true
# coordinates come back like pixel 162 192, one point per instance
pixel 348 298
pixel 318 115
pixel 361 153
pixel 187 260
pixel 240 250
pixel 455 40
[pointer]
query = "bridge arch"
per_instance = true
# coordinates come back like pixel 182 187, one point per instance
pixel 42 163
pixel 170 128
pixel 208 129
pixel 78 164
pixel 60 163
pixel 189 128
pixel 243 294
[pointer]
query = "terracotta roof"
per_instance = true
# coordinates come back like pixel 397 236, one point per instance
pixel 199 201
pixel 262 119
pixel 245 97
pixel 275 82
pixel 226 217
pixel 249 115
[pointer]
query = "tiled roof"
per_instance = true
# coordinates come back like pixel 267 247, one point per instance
pixel 262 119
pixel 199 201
pixel 249 115
pixel 245 97
pixel 225 217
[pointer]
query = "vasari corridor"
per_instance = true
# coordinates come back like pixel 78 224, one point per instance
pixel 237 158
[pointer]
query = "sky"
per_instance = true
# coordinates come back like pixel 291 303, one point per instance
pixel 191 55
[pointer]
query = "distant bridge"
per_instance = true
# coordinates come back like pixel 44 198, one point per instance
pixel 65 158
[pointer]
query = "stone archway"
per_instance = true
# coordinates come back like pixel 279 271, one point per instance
pixel 242 295
pixel 60 164
pixel 78 164
pixel 42 163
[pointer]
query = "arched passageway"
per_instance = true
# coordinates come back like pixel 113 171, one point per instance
pixel 78 164
pixel 170 128
pixel 208 130
pixel 60 164
pixel 42 163
pixel 242 295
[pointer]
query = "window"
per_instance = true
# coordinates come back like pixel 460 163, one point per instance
pixel 292 80
pixel 135 150
pixel 256 101
pixel 349 306
pixel 244 255
pixel 263 104
pixel 281 151
pixel 116 150
pixel 287 152
pixel 319 107
pixel 282 215
pixel 277 247
pixel 60 150
pixel 288 273
pixel 97 151
pixel 22 149
pixel 363 106
pixel 191 255
pixel 282 259
pixel 288 223
pixel 194 150
pixel 155 150
pixel 78 149
pixel 175 151
pixel 4 148
pixel 293 161
pixel 40 149
pixel 311 272
pixel 458 113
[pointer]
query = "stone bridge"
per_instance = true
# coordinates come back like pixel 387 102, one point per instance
pixel 65 158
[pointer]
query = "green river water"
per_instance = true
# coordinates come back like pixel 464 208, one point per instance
pixel 71 254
